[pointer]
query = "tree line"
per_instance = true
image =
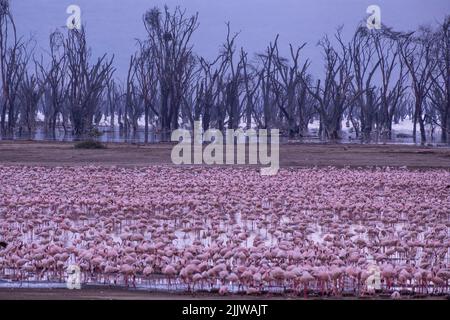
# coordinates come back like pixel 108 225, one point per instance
pixel 374 80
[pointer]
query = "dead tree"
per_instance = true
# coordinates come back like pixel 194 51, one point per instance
pixel 55 91
pixel 266 74
pixel 290 77
pixel 188 101
pixel 232 80
pixel 207 90
pixel 305 104
pixel 365 65
pixel 169 35
pixel 439 93
pixel 416 52
pixel 134 99
pixel 86 82
pixel 393 76
pixel 129 92
pixel 113 97
pixel 333 96
pixel 31 90
pixel 13 62
pixel 251 81
pixel 147 80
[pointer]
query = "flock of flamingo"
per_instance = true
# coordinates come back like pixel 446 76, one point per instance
pixel 305 232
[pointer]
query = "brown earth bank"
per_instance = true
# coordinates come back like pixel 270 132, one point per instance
pixel 291 155
pixel 125 294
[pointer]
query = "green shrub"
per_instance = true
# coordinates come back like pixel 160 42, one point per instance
pixel 89 144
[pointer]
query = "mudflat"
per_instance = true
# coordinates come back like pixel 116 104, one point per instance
pixel 32 153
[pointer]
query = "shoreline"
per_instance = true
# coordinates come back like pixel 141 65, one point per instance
pixel 52 154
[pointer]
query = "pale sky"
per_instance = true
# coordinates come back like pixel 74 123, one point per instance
pixel 113 25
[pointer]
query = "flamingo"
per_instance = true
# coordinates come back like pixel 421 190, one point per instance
pixel 159 223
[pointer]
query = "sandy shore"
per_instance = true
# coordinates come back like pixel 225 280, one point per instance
pixel 291 155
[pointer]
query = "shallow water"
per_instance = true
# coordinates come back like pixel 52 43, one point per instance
pixel 401 134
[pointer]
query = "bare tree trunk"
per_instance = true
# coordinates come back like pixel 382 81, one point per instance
pixel 146 124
